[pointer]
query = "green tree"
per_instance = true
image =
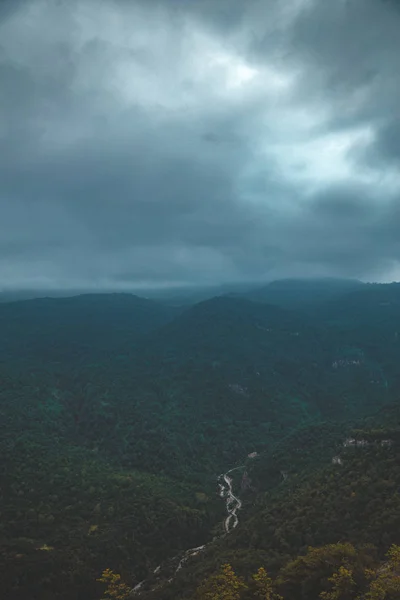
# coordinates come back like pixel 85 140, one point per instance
pixel 264 586
pixel 386 584
pixel 343 585
pixel 336 570
pixel 224 585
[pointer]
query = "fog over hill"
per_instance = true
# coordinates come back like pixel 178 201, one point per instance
pixel 199 314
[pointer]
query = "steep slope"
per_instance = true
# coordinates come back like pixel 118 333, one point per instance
pixel 67 509
pixel 66 513
pixel 356 500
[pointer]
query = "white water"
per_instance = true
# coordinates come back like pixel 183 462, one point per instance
pixel 233 505
pixel 188 554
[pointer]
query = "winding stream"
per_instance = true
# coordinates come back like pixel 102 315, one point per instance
pixel 233 505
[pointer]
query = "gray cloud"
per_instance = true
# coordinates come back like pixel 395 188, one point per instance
pixel 178 141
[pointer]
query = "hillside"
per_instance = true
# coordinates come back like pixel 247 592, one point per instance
pixel 304 294
pixel 248 370
pixel 374 306
pixel 119 413
pixel 320 502
pixel 369 319
pixel 66 512
pixel 252 371
pixel 76 329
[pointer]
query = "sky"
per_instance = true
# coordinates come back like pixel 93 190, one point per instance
pixel 157 143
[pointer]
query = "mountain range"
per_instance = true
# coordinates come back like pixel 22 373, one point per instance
pixel 119 413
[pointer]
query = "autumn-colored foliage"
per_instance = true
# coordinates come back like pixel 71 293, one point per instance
pixel 224 585
pixel 327 572
pixel 264 588
pixel 306 577
pixel 343 585
pixel 386 580
pixel 115 588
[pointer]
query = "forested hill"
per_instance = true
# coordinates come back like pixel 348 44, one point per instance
pixel 332 500
pixel 374 306
pixel 80 328
pixel 119 413
pixel 304 293
pixel 226 329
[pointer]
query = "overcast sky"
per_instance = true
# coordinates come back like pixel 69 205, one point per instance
pixel 168 142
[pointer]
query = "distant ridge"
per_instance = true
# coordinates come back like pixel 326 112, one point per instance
pixel 64 329
pixel 301 293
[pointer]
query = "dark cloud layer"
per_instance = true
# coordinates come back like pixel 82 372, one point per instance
pixel 178 141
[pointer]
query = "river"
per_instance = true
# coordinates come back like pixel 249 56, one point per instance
pixel 231 521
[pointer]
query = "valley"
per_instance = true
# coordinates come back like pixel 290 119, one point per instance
pixel 119 413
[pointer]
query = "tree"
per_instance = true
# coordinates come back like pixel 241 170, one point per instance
pixel 386 585
pixel 264 587
pixel 225 585
pixel 343 585
pixel 115 588
pixel 336 569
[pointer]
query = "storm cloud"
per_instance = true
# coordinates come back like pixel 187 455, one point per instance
pixel 172 142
